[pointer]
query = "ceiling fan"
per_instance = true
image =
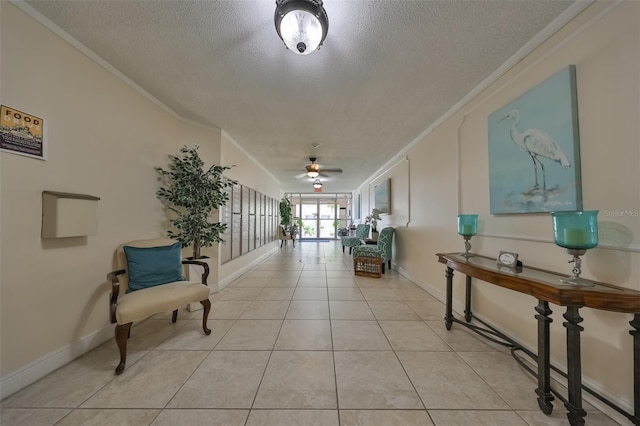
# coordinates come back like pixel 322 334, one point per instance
pixel 314 170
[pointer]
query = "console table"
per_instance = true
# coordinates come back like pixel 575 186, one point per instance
pixel 546 288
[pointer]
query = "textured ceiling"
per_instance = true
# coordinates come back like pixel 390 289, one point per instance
pixel 386 72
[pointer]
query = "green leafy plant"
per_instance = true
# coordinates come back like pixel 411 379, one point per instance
pixel 373 219
pixel 309 229
pixel 285 212
pixel 192 193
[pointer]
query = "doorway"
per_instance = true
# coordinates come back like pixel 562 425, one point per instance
pixel 320 216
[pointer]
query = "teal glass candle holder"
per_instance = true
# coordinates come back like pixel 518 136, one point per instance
pixel 577 231
pixel 467 224
pixel 467 227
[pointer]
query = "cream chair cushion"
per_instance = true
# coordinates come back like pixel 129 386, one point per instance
pixel 141 304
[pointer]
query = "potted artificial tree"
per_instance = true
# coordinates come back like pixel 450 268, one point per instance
pixel 286 218
pixel 285 212
pixel 192 193
pixel 373 219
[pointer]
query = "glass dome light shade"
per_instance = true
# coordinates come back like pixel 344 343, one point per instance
pixel 575 229
pixel 301 24
pixel 301 32
pixel 467 224
pixel 312 174
pixel 317 183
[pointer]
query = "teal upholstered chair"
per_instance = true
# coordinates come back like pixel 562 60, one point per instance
pixel 383 248
pixel 362 232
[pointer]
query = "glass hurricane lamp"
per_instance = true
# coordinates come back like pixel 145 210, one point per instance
pixel 577 231
pixel 467 227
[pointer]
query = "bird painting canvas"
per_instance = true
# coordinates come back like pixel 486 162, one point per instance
pixel 534 150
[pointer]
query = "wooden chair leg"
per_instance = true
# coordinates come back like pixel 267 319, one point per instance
pixel 389 262
pixel 281 242
pixel 383 267
pixel 174 317
pixel 350 248
pixel 206 303
pixel 122 333
pixel 343 249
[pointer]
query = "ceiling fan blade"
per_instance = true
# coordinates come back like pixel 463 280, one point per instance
pixel 331 170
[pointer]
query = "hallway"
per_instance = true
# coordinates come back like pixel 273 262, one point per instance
pixel 296 341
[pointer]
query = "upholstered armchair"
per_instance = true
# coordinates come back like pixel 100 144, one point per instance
pixel 284 235
pixel 362 232
pixel 150 280
pixel 382 249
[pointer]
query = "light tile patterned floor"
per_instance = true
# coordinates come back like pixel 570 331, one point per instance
pixel 297 341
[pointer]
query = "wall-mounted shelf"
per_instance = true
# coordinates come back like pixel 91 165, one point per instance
pixel 68 215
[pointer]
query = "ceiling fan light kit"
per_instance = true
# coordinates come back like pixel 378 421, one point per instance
pixel 301 24
pixel 314 170
pixel 317 184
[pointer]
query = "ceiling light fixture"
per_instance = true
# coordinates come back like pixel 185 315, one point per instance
pixel 301 24
pixel 317 184
pixel 313 169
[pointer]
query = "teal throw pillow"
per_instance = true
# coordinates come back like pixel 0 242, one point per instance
pixel 151 266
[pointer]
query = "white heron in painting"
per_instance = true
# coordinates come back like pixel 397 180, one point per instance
pixel 538 144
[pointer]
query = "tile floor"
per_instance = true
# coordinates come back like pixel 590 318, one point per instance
pixel 297 341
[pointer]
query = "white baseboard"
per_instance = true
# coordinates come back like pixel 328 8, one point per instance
pixel 36 370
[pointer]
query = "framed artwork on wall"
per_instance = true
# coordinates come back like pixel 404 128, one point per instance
pixel 22 133
pixel 534 149
pixel 382 196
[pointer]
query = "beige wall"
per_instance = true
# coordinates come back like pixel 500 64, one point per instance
pixel 604 44
pixel 105 140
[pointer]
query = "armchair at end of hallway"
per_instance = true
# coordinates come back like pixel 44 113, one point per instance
pixel 285 235
pixel 362 232
pixel 148 280
pixel 382 249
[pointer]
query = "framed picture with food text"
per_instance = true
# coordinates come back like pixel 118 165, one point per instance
pixel 22 133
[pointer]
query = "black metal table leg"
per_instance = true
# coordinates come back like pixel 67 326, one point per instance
pixel 467 307
pixel 544 370
pixel 576 413
pixel 448 316
pixel 635 324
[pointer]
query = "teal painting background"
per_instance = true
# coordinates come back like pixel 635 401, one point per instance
pixel 551 107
